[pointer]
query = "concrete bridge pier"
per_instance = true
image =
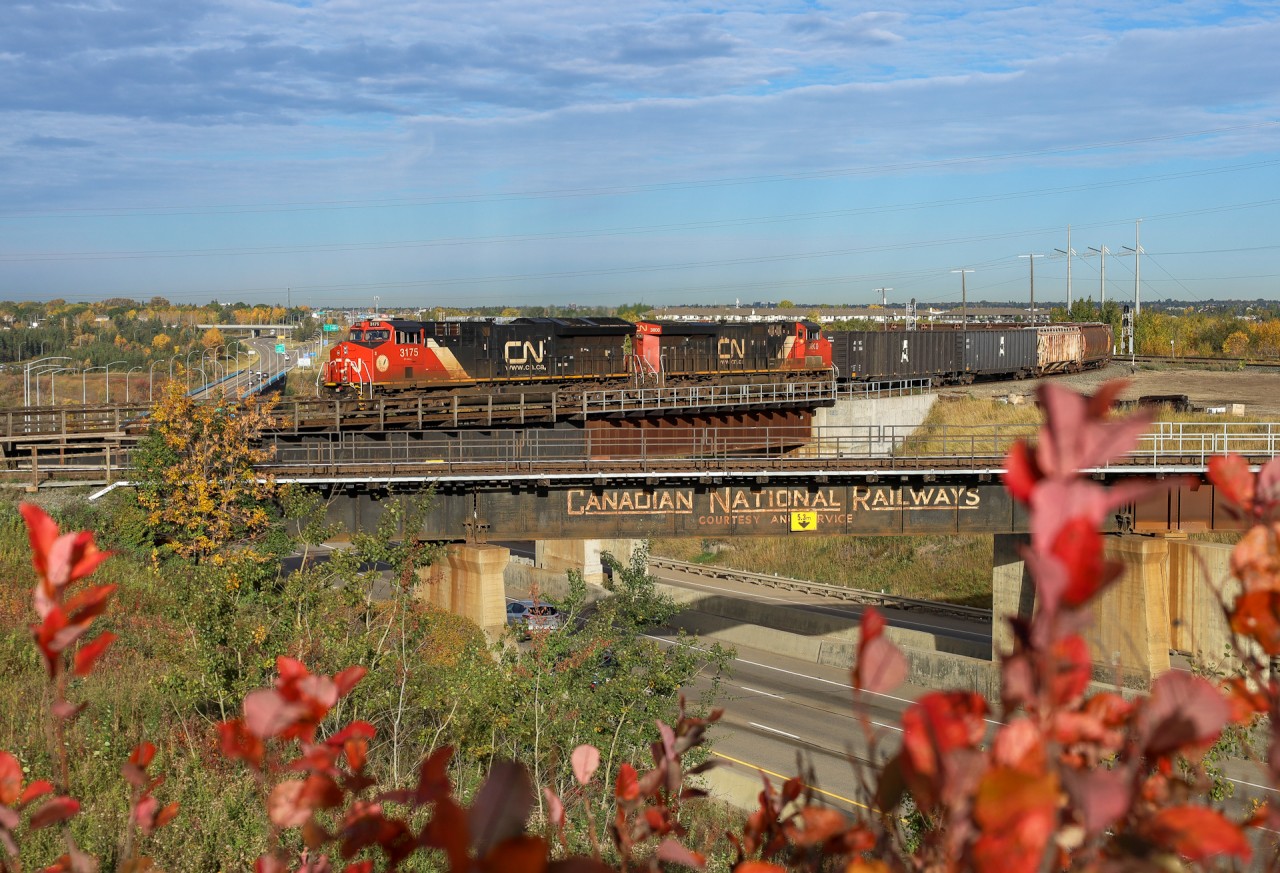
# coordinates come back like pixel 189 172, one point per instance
pixel 470 583
pixel 559 556
pixel 1167 599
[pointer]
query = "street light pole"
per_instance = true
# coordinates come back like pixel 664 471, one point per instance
pixel 126 382
pixel 108 377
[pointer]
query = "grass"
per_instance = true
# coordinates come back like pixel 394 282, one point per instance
pixel 954 569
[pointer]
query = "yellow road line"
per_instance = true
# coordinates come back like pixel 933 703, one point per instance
pixel 830 794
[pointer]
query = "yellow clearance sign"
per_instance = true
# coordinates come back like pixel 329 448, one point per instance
pixel 803 520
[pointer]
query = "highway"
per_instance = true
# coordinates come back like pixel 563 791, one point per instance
pixel 782 714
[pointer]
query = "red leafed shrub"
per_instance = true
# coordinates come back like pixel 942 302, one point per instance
pixel 1053 778
pixel 65 620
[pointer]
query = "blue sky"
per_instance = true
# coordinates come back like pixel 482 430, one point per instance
pixel 526 152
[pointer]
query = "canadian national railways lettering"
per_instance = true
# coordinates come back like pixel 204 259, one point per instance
pixel 629 502
pixel 873 499
pixel 730 505
pixel 742 500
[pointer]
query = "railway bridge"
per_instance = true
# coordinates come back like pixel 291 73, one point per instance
pixel 599 480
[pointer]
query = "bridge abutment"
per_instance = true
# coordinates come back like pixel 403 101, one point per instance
pixel 1168 598
pixel 559 556
pixel 470 583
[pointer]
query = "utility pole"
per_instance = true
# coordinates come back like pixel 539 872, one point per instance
pixel 1032 260
pixel 1137 280
pixel 964 298
pixel 1102 282
pixel 884 305
pixel 1070 253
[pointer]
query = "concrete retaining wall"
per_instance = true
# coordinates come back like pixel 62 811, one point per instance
pixel 874 419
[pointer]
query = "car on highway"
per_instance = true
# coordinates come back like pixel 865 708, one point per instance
pixel 529 616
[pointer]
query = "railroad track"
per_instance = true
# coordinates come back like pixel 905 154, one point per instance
pixel 1229 363
pixel 833 592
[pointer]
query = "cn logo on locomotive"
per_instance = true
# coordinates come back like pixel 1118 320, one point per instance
pixel 527 352
pixel 731 348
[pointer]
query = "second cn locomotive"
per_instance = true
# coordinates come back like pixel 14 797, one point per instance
pixel 397 355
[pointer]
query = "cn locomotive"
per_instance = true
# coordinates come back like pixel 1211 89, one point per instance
pixel 384 355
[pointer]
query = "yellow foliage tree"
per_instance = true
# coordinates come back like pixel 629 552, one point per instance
pixel 161 343
pixel 212 338
pixel 195 473
pixel 1236 345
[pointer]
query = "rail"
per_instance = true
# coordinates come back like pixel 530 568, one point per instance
pixel 834 592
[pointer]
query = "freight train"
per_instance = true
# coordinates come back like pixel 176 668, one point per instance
pixel 387 355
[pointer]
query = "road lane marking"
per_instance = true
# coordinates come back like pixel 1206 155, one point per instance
pixel 845 685
pixel 765 727
pixel 758 691
pixel 830 794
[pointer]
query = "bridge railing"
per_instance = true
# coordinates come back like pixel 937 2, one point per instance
pixel 480 453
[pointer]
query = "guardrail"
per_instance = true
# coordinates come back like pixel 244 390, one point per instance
pixel 833 592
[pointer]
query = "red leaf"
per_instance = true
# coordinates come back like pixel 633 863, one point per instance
pixel 585 759
pixel 35 791
pixel 1231 476
pixel 237 742
pixel 881 667
pixel 816 825
pixel 42 531
pixel 1016 811
pixel 1183 713
pixel 627 785
pixel 673 852
pixel 1021 475
pixel 1198 833
pixel 522 853
pixel 166 815
pixel 1256 615
pixel 433 777
pixel 1073 668
pixel 347 679
pixel 267 713
pixel 360 729
pixel 555 808
pixel 142 755
pixel 501 806
pixel 1267 485
pixel 873 624
pixel 1102 797
pixel 10 779
pixel 286 807
pixel 53 811
pixel 1078 546
pixel 144 813
pixel 88 654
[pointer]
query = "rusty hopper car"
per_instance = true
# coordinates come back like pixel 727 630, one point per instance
pixel 693 349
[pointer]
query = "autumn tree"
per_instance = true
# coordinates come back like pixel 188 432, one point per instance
pixel 195 473
pixel 212 338
pixel 1236 345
